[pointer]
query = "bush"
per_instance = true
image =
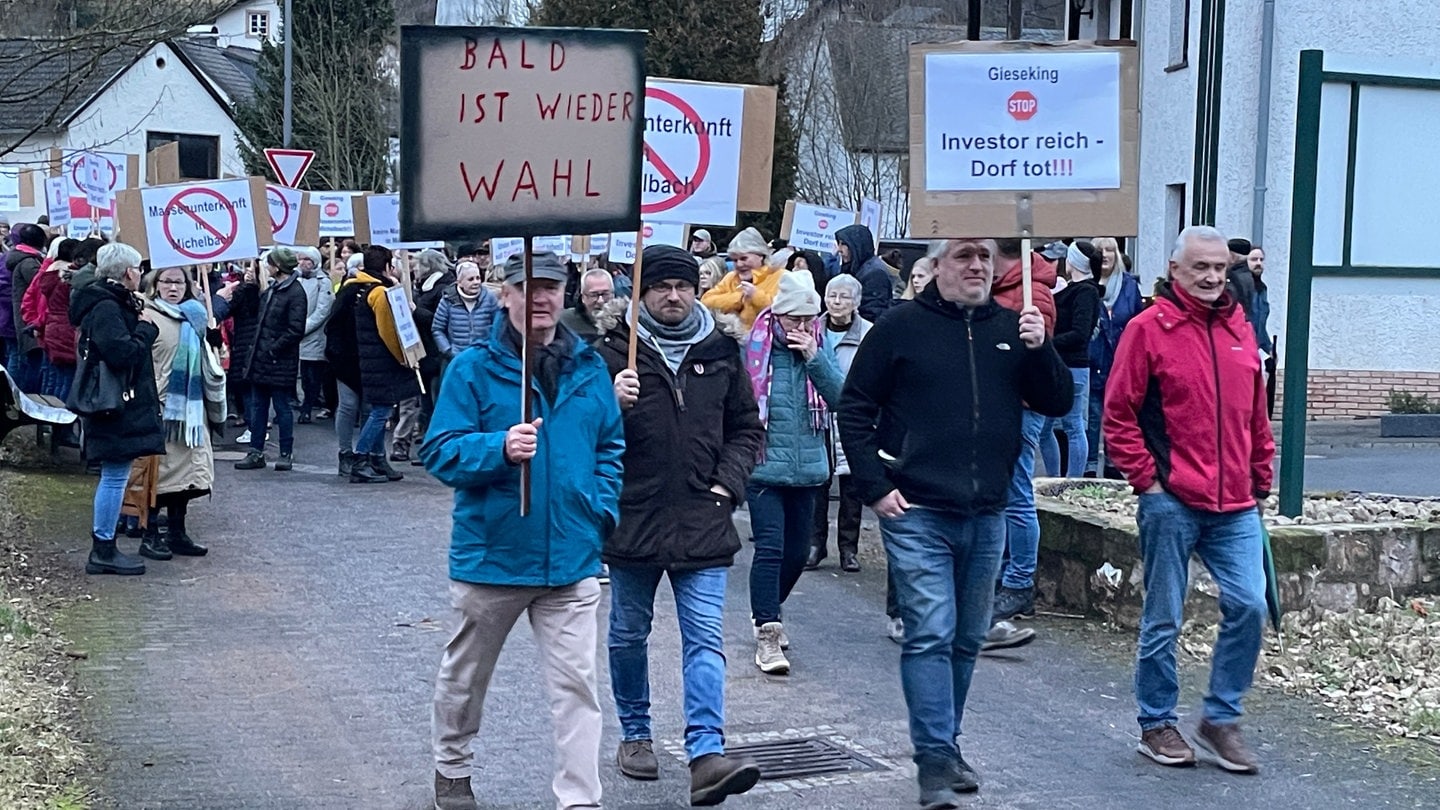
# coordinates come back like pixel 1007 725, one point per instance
pixel 1406 402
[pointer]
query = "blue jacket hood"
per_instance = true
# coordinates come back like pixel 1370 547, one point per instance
pixel 860 242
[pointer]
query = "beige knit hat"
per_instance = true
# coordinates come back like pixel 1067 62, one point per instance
pixel 749 241
pixel 797 295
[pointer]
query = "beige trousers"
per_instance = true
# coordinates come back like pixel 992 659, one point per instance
pixel 565 627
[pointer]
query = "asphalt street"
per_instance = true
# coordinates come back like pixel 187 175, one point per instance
pixel 293 668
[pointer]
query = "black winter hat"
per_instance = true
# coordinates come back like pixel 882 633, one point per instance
pixel 27 233
pixel 667 262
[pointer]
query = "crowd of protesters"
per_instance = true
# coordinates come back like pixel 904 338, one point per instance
pixel 762 376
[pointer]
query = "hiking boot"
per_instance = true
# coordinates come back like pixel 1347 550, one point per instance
pixel 362 473
pixel 816 556
pixel 895 629
pixel 153 546
pixel 454 794
pixel 715 776
pixel 285 463
pixel 105 558
pixel 1165 745
pixel 964 780
pixel 848 562
pixel 769 657
pixel 252 461
pixel 382 466
pixel 1225 746
pixel 1011 603
pixel 1004 635
pixel 347 462
pixel 636 759
pixel 937 788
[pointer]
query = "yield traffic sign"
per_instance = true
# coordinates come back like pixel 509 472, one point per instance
pixel 289 165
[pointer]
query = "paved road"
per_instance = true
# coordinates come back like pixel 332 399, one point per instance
pixel 293 667
pixel 1394 471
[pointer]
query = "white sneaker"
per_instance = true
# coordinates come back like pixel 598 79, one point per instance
pixel 768 656
pixel 895 629
pixel 784 637
pixel 244 438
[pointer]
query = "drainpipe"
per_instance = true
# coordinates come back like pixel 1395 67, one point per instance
pixel 1262 124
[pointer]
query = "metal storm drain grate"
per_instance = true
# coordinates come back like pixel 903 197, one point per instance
pixel 808 756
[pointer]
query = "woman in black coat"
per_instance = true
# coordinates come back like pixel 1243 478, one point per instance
pixel 1077 314
pixel 106 314
pixel 272 363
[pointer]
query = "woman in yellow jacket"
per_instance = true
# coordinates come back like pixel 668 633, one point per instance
pixel 749 289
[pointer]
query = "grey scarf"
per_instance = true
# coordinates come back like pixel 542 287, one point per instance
pixel 673 342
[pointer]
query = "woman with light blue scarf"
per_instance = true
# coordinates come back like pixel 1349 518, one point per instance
pixel 179 354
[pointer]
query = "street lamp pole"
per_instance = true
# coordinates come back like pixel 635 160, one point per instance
pixel 289 51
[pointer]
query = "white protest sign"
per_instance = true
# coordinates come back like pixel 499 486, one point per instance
pixel 502 249
pixel 870 212
pixel 692 152
pixel 622 244
pixel 405 327
pixel 57 202
pixel 1028 121
pixel 9 189
pixel 92 176
pixel 284 209
pixel 95 180
pixel 622 247
pixel 383 212
pixel 813 227
pixel 200 222
pixel 337 217
pixel 559 245
pixel 599 243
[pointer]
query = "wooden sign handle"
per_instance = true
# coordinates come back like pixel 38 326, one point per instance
pixel 527 369
pixel 635 289
pixel 1026 272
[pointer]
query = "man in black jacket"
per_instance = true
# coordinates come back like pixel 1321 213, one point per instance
pixel 855 245
pixel 692 436
pixel 272 363
pixel 930 419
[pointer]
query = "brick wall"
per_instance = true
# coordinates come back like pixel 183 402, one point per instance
pixel 1352 394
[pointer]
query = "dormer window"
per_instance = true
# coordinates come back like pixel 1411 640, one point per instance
pixel 258 24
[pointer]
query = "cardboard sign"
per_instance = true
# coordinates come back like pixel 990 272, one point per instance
pixel 10 189
pixel 813 227
pixel 692 152
pixel 162 164
pixel 405 327
pixel 193 223
pixel 57 201
pixel 1023 139
pixel 294 220
pixel 519 131
pixel 337 214
pixel 377 222
pixel 870 216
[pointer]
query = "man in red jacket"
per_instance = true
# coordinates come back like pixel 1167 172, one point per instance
pixel 1185 421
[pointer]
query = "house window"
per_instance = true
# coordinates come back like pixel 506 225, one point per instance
pixel 259 24
pixel 199 154
pixel 1179 35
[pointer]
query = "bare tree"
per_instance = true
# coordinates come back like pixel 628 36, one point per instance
pixel 45 77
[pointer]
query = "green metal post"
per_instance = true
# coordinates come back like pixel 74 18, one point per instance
pixel 1301 282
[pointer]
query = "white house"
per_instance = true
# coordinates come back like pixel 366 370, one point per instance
pixel 1234 167
pixel 136 101
pixel 248 24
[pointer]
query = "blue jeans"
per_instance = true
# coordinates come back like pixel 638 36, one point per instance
pixel 1230 546
pixel 57 379
pixel 700 607
pixel 24 367
pixel 944 565
pixel 262 398
pixel 781 519
pixel 1092 427
pixel 1022 526
pixel 109 496
pixel 1073 423
pixel 347 407
pixel 372 433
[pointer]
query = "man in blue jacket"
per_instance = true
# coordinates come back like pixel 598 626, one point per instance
pixel 546 564
pixel 855 245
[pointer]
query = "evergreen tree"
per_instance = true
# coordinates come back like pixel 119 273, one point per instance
pixel 701 40
pixel 343 96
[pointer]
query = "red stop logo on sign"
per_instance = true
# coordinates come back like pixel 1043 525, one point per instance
pixel 824 223
pixel 332 209
pixel 649 231
pixel 1022 105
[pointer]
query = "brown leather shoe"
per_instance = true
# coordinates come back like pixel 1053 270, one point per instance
pixel 715 776
pixel 1167 747
pixel 637 760
pixel 1225 746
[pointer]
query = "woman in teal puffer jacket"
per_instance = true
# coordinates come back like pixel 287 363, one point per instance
pixel 797 380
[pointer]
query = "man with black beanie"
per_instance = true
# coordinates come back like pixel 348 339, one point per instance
pixel 692 435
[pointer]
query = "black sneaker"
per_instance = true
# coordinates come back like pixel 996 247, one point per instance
pixel 966 780
pixel 285 462
pixel 1011 603
pixel 453 794
pixel 303 419
pixel 252 461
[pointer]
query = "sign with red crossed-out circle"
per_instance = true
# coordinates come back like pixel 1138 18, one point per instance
pixel 202 222
pixel 275 201
pixel 691 171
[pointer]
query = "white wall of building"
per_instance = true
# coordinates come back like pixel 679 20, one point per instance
pixel 157 94
pixel 234 24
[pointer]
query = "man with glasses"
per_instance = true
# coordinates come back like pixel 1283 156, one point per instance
pixel 692 434
pixel 597 290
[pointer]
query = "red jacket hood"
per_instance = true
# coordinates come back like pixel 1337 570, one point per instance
pixel 1006 289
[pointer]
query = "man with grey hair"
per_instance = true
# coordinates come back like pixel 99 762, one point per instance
pixel 597 290
pixel 1185 421
pixel 939 476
